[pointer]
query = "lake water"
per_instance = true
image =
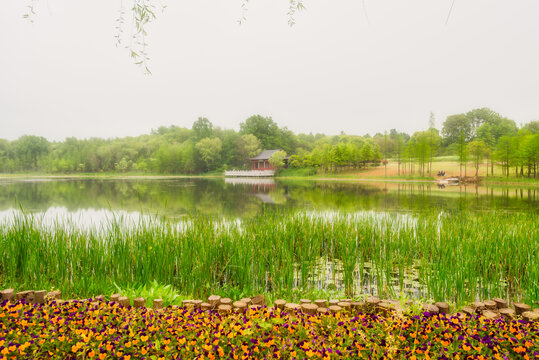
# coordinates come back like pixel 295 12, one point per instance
pixel 91 203
pixel 92 200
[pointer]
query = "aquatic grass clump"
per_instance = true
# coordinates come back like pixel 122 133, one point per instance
pixel 456 257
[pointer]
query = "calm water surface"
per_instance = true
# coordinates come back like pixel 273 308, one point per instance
pixel 86 200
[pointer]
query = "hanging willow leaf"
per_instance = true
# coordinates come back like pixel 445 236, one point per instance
pixel 143 13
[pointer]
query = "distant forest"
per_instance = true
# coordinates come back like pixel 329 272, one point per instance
pixel 475 137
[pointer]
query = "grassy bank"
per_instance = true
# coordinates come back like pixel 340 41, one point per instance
pixel 392 171
pixel 504 180
pixel 454 257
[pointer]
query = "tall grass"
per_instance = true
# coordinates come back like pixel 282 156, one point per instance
pixel 452 257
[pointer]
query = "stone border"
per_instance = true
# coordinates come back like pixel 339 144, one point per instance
pixel 489 309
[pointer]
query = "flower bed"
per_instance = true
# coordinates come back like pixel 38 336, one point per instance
pixel 105 330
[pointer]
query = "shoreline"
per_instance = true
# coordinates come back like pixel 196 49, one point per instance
pixel 329 304
pixel 525 182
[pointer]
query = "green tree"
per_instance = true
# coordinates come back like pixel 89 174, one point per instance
pixel 28 150
pixel 123 165
pixel 210 152
pixel 434 140
pixel 500 126
pixel 531 127
pixel 265 129
pixel 202 128
pixel 486 135
pixel 477 150
pixel 277 160
pixel 530 153
pixel 247 146
pixel 421 149
pixel 6 161
pixel 505 153
pixel 462 152
pixel 399 150
pixel 456 126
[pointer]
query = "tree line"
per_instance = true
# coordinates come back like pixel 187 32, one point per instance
pixel 475 137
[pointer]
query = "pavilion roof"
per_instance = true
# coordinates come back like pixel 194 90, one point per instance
pixel 265 154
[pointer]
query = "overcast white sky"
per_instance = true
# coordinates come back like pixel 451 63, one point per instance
pixel 333 71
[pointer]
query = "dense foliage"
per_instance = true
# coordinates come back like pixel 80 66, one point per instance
pixel 101 330
pixel 478 135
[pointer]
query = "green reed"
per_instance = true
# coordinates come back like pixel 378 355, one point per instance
pixel 455 257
